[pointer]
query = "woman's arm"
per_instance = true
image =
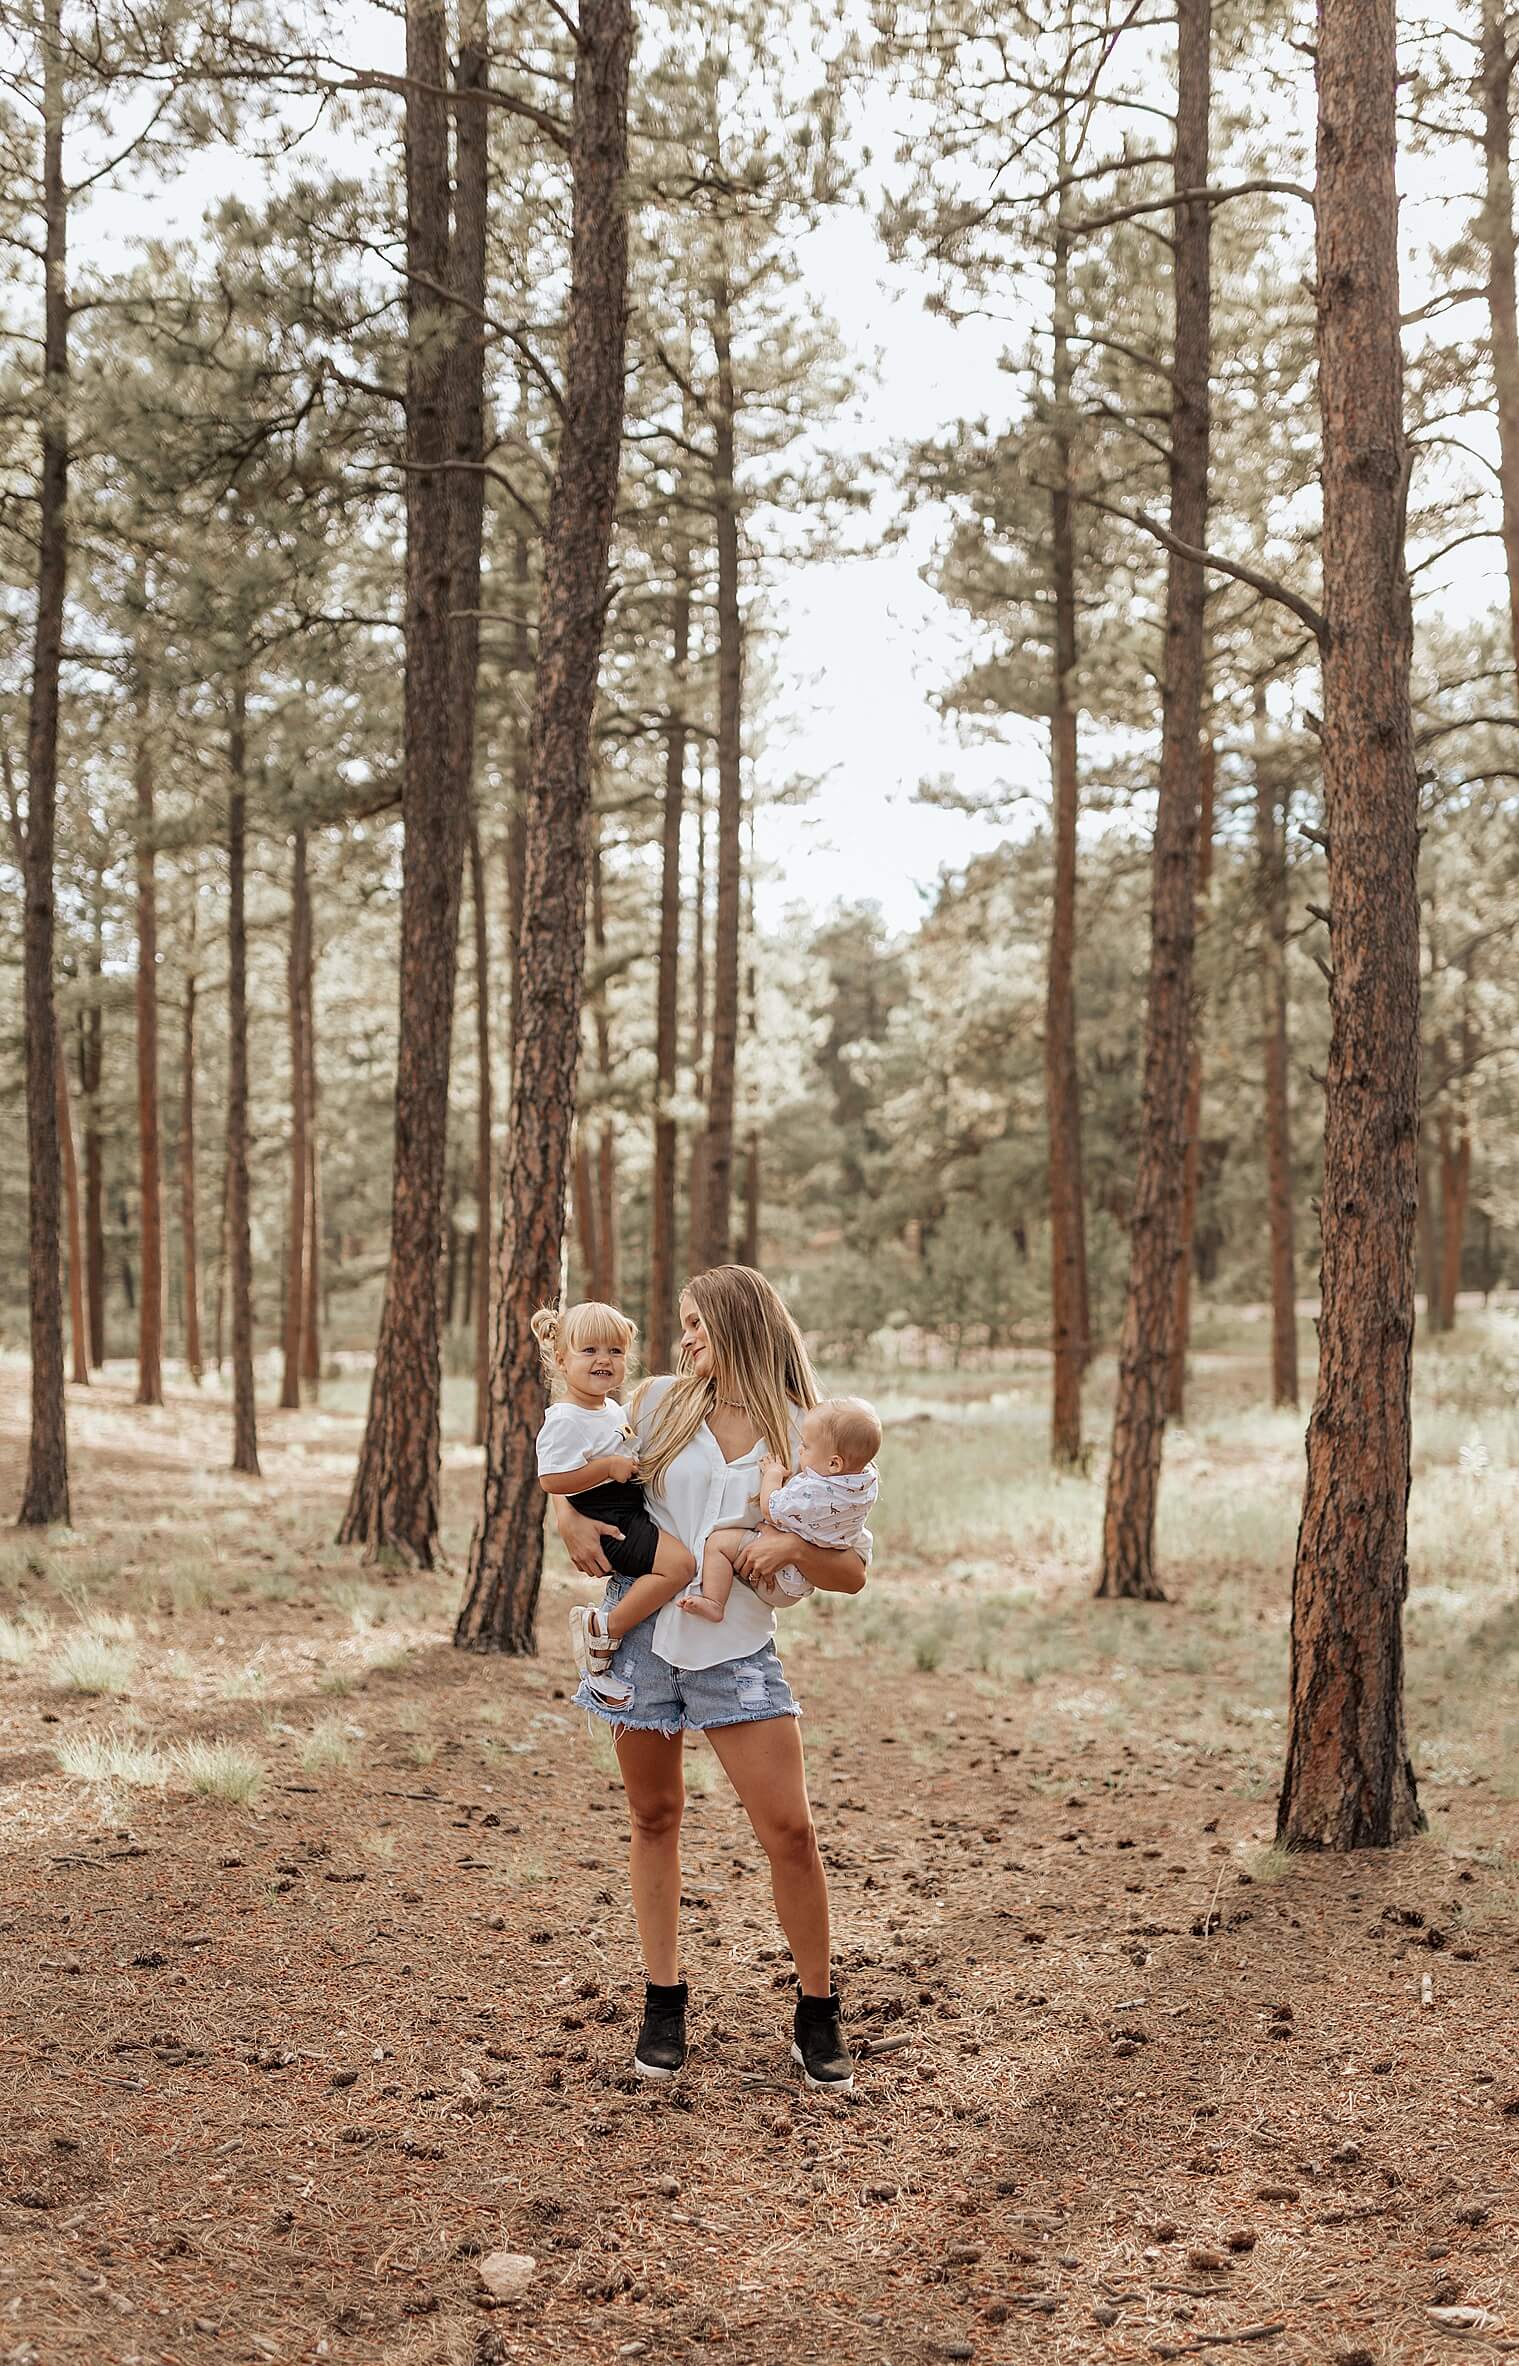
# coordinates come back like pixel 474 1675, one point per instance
pixel 582 1537
pixel 833 1569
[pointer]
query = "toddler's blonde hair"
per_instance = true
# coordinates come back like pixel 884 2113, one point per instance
pixel 590 1324
pixel 852 1428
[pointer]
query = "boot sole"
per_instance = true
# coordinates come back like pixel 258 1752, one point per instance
pixel 653 2070
pixel 825 2086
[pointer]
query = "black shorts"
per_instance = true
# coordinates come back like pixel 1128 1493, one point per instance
pixel 632 1553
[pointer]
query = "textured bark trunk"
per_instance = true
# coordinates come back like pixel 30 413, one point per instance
pixel 584 1211
pixel 1181 1318
pixel 521 761
pixel 311 1329
pixel 45 1495
pixel 150 1388
pixel 608 1260
pixel 295 1241
pixel 750 1251
pixel 696 1224
pixel 1271 863
pixel 480 1266
pixel 1455 1185
pixel 79 1345
pixel 506 1555
pixel 717 1179
pixel 1428 1265
pixel 1497 232
pixel 239 1230
pixel 223 1259
pixel 91 1059
pixel 1128 1535
pixel 393 1508
pixel 1062 1089
pixel 189 1250
pixel 661 1312
pixel 1348 1781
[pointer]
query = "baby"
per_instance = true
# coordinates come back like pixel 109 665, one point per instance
pixel 826 1502
pixel 587 1451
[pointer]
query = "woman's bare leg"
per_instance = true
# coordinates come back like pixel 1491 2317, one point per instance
pixel 763 1762
pixel 654 1780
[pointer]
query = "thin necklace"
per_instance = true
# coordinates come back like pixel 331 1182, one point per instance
pixel 732 1405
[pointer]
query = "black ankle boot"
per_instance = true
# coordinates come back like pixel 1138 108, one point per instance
pixel 661 2047
pixel 818 2044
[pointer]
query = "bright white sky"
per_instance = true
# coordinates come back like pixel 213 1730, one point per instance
pixel 863 645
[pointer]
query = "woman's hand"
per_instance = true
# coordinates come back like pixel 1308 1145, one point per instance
pixel 833 1569
pixel 582 1538
pixel 762 1554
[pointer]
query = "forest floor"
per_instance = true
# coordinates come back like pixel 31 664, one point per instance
pixel 319 1982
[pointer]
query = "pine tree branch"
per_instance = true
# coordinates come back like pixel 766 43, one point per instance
pixel 1176 197
pixel 1266 585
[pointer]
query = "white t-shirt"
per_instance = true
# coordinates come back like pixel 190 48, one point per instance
pixel 702 1492
pixel 573 1434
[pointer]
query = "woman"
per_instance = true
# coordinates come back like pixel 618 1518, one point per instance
pixel 743 1384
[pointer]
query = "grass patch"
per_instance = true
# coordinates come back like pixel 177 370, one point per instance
pixel 95 1661
pixel 219 1770
pixel 115 1757
pixel 328 1746
pixel 21 1639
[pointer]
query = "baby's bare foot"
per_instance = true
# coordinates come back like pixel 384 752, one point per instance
pixel 700 1607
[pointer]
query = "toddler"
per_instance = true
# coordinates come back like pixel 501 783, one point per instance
pixel 826 1501
pixel 587 1451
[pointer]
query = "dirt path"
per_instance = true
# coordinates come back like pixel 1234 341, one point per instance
pixel 277 2075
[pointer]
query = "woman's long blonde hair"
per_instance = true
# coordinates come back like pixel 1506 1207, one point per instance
pixel 759 1361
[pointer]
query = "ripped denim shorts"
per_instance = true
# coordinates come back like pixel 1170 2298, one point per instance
pixel 672 1700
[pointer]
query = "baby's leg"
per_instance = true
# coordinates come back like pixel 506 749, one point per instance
pixel 717 1573
pixel 674 1567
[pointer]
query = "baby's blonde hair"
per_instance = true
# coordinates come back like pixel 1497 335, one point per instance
pixel 852 1428
pixel 590 1324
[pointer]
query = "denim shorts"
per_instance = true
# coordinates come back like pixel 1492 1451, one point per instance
pixel 675 1700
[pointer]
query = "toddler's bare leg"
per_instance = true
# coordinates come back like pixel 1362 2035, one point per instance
pixel 717 1574
pixel 673 1568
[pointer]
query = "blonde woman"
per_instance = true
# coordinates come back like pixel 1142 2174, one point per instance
pixel 743 1385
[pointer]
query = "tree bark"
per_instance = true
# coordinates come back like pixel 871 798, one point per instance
pixel 150 1389
pixel 45 1495
pixel 1497 233
pixel 750 1251
pixel 1348 1781
pixel 295 1239
pixel 696 1179
pixel 1428 1263
pixel 1128 1538
pixel 585 1211
pixel 717 1172
pixel 506 1554
pixel 239 1231
pixel 311 1329
pixel 79 1345
pixel 661 1315
pixel 1271 864
pixel 480 1268
pixel 1062 1088
pixel 1181 1317
pixel 607 1278
pixel 187 1158
pixel 91 1060
pixel 394 1504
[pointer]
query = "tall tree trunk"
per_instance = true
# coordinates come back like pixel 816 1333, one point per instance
pixel 150 1387
pixel 750 1251
pixel 187 1156
pixel 311 1329
pixel 480 1269
pixel 295 1242
pixel 585 1211
pixel 696 1222
pixel 394 1504
pixel 1271 863
pixel 239 1230
pixel 223 1261
pixel 1181 1318
pixel 1128 1533
pixel 661 1314
pixel 1348 1781
pixel 521 761
pixel 717 1177
pixel 1455 1184
pixel 607 1258
pixel 79 1345
pixel 1062 1089
pixel 1497 232
pixel 506 1554
pixel 91 1060
pixel 45 1496
pixel 1428 1264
